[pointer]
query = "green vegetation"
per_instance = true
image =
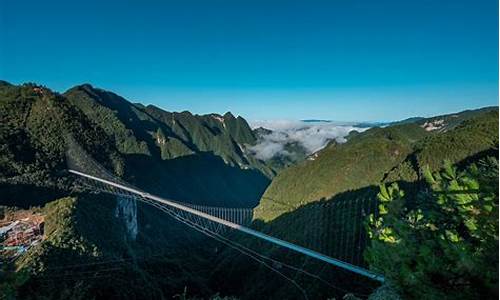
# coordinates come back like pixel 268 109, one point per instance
pixel 33 134
pixel 108 110
pixel 378 155
pixel 444 246
pixel 142 130
pixel 190 158
pixel 203 163
pixel 178 155
pixel 11 282
pixel 360 162
pixel 87 247
pixel 38 127
pixel 322 198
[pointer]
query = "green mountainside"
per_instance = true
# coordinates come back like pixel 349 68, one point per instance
pixel 142 130
pixel 179 155
pixel 35 124
pixel 86 246
pixel 446 122
pixel 136 139
pixel 394 153
pixel 205 165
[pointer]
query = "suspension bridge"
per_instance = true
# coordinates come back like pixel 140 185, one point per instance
pixel 338 226
pixel 210 219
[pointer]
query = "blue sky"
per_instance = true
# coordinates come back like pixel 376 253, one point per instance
pixel 344 60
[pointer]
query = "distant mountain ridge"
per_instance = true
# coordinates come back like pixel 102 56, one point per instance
pixel 451 119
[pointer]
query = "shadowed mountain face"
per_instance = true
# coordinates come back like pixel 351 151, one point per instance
pixel 201 178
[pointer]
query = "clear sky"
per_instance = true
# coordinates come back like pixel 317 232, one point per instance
pixel 341 59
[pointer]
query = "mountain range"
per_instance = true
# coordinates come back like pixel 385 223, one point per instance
pixel 177 149
pixel 208 160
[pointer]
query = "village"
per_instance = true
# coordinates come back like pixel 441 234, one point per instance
pixel 19 232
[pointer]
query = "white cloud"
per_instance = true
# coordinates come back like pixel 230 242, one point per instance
pixel 268 149
pixel 313 136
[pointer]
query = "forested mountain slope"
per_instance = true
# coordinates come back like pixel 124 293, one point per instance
pixel 392 153
pixel 35 124
pixel 187 157
pixel 197 158
pixel 148 130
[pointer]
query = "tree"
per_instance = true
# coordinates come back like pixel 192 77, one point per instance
pixel 445 244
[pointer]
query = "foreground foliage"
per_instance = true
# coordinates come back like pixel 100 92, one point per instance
pixel 445 245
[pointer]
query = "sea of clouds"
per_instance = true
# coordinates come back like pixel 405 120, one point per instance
pixel 313 136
